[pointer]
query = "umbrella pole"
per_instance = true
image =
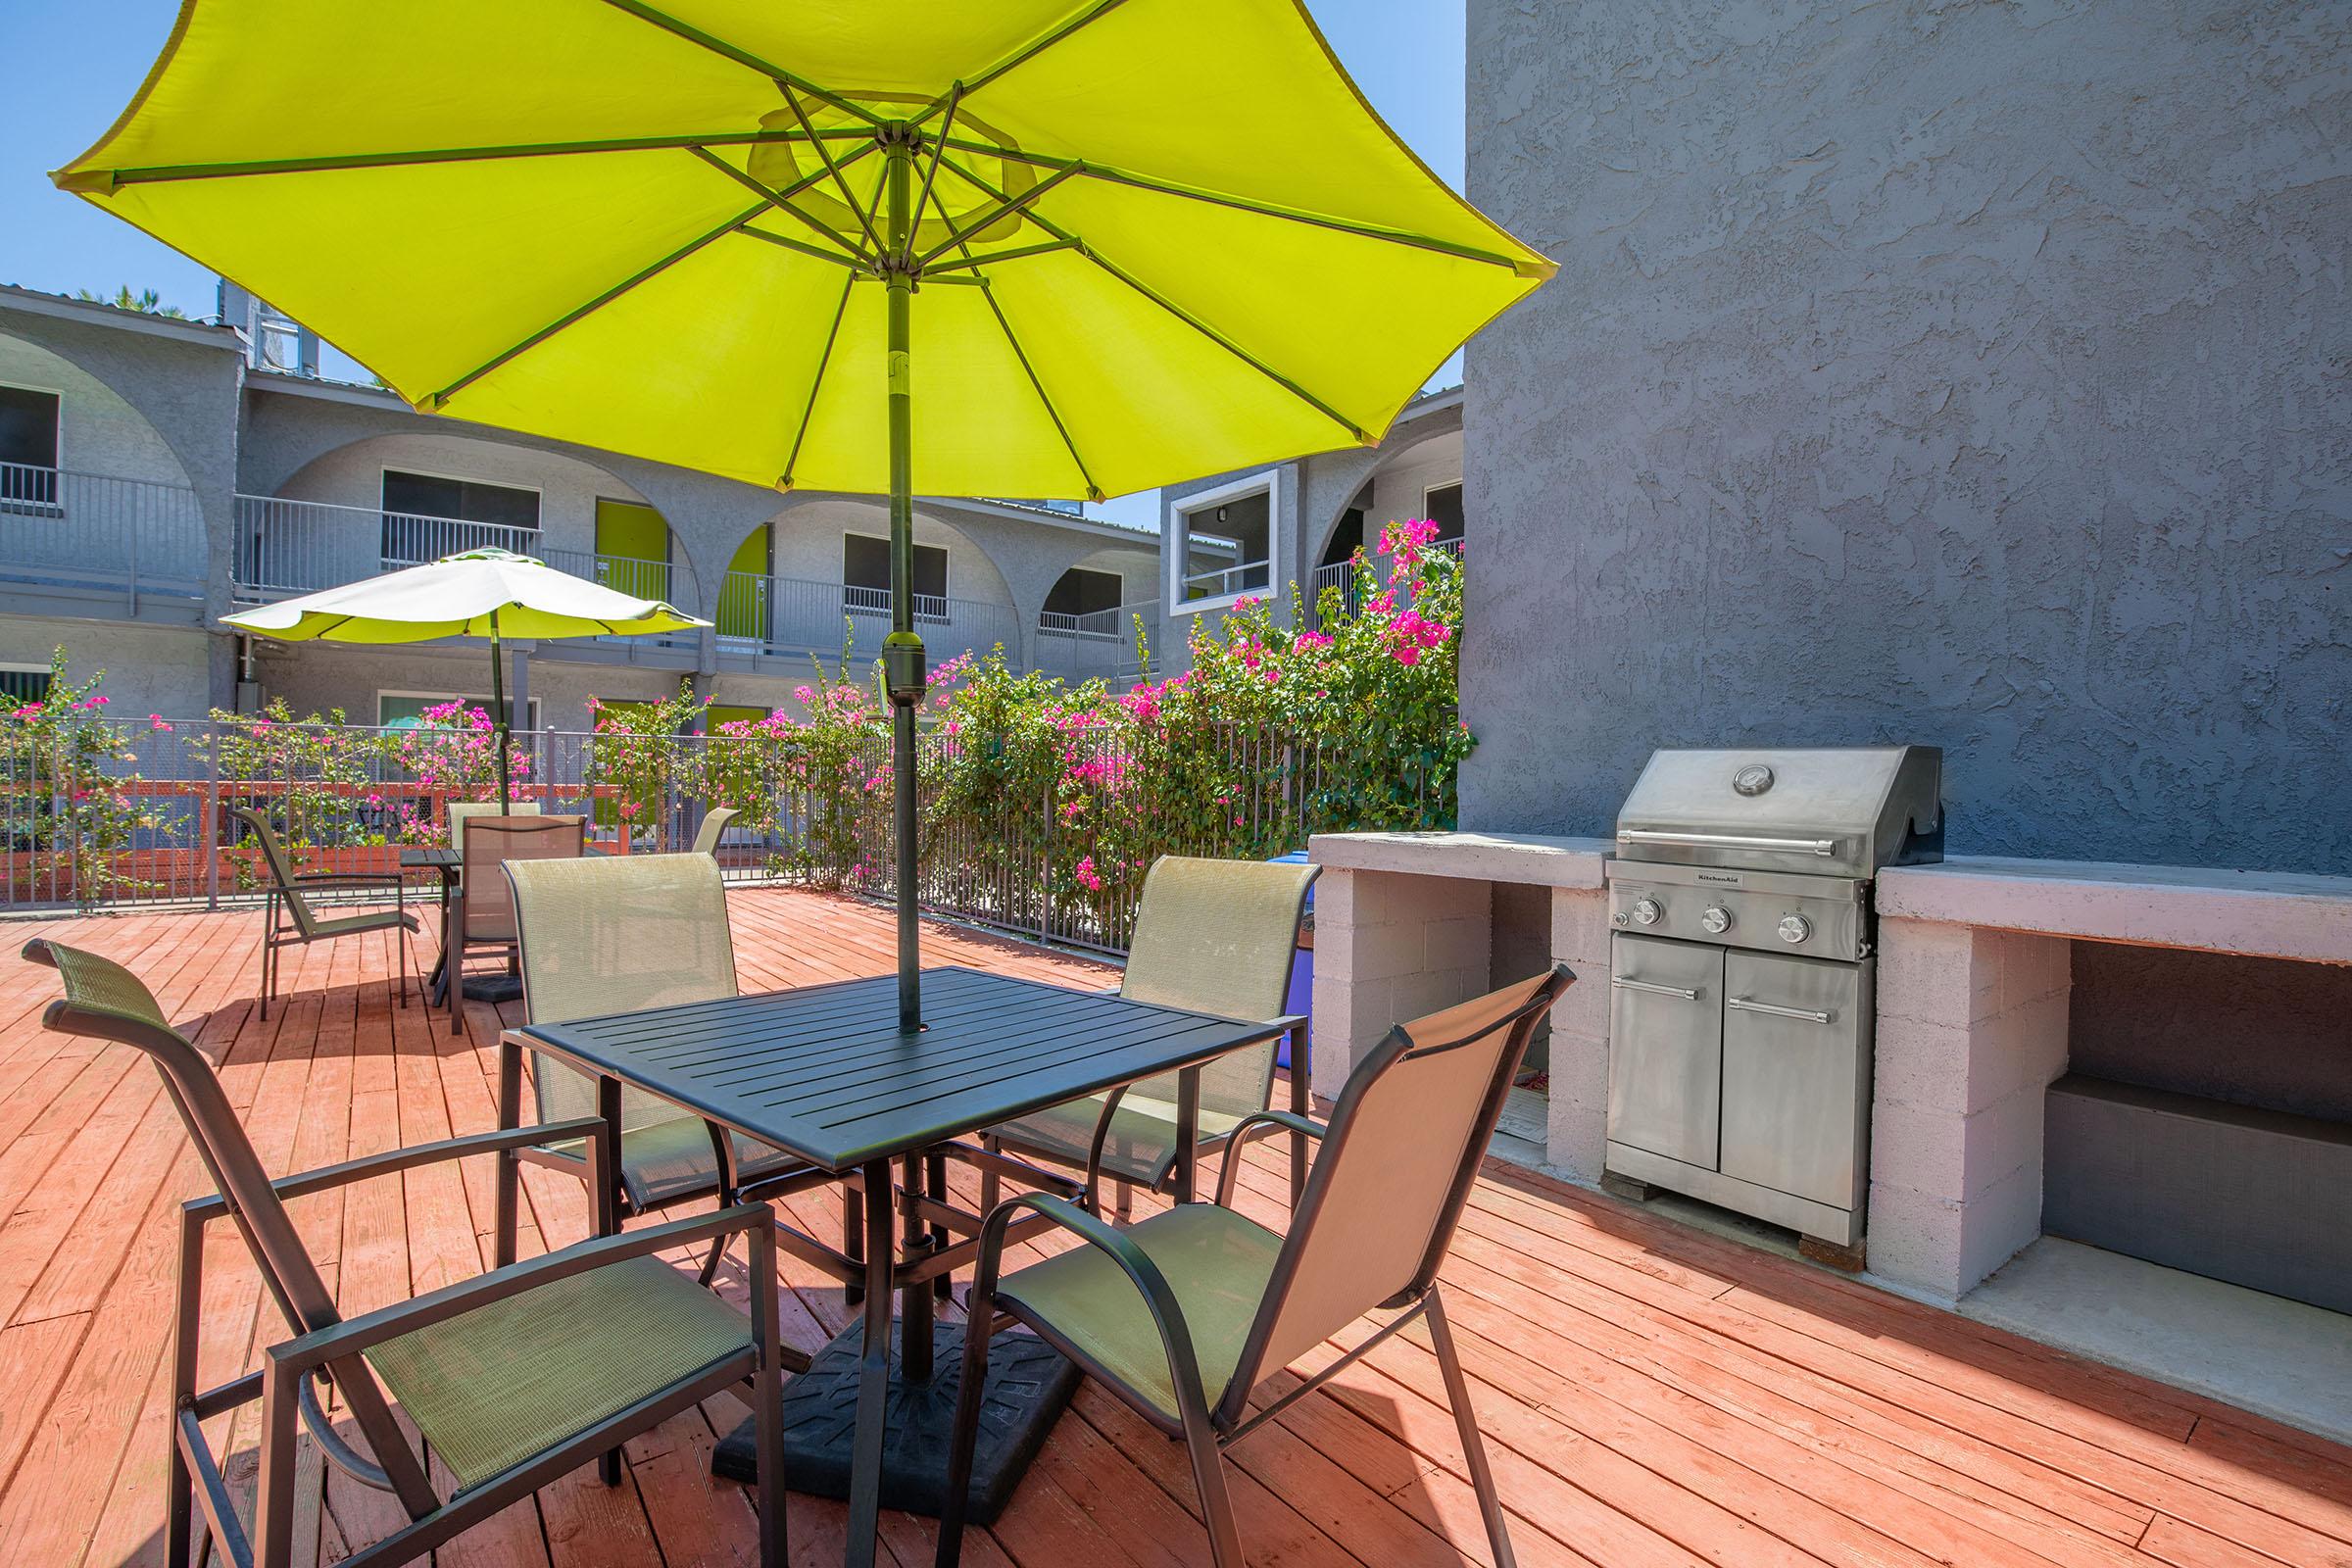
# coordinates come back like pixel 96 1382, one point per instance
pixel 498 714
pixel 903 651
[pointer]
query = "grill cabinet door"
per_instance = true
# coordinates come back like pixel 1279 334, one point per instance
pixel 1666 1047
pixel 1796 1078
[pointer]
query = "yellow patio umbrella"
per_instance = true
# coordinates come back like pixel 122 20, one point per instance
pixel 1126 241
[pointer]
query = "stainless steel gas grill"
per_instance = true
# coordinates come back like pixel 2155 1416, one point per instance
pixel 1741 1013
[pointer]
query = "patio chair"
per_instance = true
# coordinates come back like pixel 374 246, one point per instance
pixel 481 913
pixel 1210 936
pixel 600 936
pixel 462 813
pixel 513 1378
pixel 290 920
pixel 1184 1316
pixel 714 822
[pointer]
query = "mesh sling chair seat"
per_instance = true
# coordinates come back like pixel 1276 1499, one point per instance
pixel 1210 936
pixel 481 914
pixel 513 1378
pixel 462 813
pixel 1186 1314
pixel 620 935
pixel 290 919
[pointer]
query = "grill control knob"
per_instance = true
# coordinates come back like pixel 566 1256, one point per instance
pixel 1648 911
pixel 1717 919
pixel 1795 928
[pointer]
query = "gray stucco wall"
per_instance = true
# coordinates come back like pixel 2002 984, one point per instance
pixel 1962 373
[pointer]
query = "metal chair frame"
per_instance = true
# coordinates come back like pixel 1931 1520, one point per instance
pixel 1208 1429
pixel 287 917
pixel 326 1347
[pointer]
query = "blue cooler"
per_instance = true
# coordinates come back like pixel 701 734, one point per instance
pixel 1302 969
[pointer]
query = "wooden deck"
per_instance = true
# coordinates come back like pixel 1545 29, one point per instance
pixel 1653 1396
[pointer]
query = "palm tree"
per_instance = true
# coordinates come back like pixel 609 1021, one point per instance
pixel 146 301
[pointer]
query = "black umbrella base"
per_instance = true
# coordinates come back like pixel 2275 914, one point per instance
pixel 1029 1384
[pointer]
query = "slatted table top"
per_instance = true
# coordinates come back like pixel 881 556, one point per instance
pixel 824 1072
pixel 441 857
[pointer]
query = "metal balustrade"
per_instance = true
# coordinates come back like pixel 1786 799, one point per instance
pixel 289 547
pixel 61 528
pixel 1250 577
pixel 1100 645
pixel 798 616
pixel 1341 576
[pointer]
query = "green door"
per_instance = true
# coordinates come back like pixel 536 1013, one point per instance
pixel 743 608
pixel 633 548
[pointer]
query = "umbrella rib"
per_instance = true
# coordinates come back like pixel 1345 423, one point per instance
pixel 106 180
pixel 1094 491
pixel 825 155
pixel 781 200
pixel 997 214
pixel 973 260
pixel 1164 187
pixel 1036 46
pixel 816 382
pixel 438 399
pixel 1355 432
pixel 742 57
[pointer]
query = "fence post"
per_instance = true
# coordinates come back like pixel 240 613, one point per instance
pixel 211 837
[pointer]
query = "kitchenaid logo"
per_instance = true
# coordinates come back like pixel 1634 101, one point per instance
pixel 1729 879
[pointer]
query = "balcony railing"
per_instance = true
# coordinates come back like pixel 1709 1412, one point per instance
pixel 1341 576
pixel 298 547
pixel 1250 577
pixel 1102 645
pixel 791 615
pixel 626 574
pixel 61 528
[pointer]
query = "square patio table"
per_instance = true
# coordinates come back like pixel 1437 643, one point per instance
pixel 825 1073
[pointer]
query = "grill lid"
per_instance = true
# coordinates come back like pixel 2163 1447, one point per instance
pixel 1842 811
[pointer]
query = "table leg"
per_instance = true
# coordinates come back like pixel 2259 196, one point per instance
pixel 914 1305
pixel 873 1372
pixel 510 1161
pixel 606 1199
pixel 1302 1105
pixel 440 976
pixel 1188 1133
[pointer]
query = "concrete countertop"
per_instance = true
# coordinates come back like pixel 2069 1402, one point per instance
pixel 2274 914
pixel 1533 858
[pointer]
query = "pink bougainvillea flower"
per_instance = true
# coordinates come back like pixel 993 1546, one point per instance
pixel 1087 875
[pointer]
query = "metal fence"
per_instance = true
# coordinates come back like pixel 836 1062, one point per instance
pixel 110 813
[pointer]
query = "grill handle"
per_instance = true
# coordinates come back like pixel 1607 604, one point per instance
pixel 1653 988
pixel 1727 841
pixel 1774 1010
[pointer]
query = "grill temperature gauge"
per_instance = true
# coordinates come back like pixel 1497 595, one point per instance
pixel 1717 919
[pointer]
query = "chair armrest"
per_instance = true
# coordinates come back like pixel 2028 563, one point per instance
pixel 357 879
pixel 1257 1122
pixel 303 1183
pixel 370 1329
pixel 1184 1367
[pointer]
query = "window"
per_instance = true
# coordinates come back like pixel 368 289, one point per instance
pixel 406 710
pixel 23 683
pixel 865 577
pixel 1085 603
pixel 1443 506
pixel 419 508
pixel 1225 543
pixel 28 425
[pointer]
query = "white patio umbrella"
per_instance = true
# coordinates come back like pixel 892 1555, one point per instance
pixel 475 593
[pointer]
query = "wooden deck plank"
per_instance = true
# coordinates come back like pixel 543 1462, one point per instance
pixel 1651 1395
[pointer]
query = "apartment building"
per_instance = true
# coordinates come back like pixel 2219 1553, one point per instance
pixel 158 474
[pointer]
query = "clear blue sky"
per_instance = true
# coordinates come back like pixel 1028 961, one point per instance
pixel 74 63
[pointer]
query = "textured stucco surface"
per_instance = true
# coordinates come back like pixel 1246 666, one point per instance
pixel 1963 373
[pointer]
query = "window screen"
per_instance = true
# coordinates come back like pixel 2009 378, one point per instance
pixel 866 564
pixel 1085 593
pixel 1444 505
pixel 28 446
